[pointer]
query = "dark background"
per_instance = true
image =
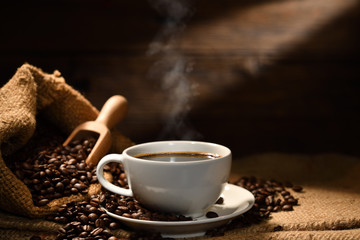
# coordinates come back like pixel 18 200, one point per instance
pixel 269 76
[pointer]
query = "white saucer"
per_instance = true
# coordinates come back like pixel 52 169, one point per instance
pixel 237 201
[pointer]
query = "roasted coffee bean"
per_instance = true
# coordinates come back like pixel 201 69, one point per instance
pixel 87 228
pixel 220 200
pixel 128 215
pixel 62 219
pixel 96 231
pixel 50 190
pixel 94 200
pixel 100 223
pixel 113 225
pixel 297 188
pixel 35 181
pixel 83 234
pixel 276 208
pixel 62 230
pixel 43 202
pixel 71 168
pixel 72 161
pixel 74 190
pixel 263 210
pixel 73 181
pixel 75 223
pixel 79 186
pixel 84 219
pixel 278 228
pixel 27 165
pixel 59 187
pixel 42 174
pixel 47 183
pixel 211 214
pixel 81 166
pixel 93 217
pixel 287 207
pixel 269 200
pixel 284 193
pixel 292 201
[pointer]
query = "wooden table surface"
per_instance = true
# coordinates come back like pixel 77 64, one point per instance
pixel 257 76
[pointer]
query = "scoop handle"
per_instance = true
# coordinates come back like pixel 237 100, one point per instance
pixel 113 111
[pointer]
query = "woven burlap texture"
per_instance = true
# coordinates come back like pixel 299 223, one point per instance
pixel 29 92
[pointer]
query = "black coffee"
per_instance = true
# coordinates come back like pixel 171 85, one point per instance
pixel 178 156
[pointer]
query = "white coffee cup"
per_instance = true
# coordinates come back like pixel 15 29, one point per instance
pixel 188 188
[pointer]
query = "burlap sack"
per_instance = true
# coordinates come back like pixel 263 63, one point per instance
pixel 28 93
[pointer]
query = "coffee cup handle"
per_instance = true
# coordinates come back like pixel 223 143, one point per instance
pixel 118 158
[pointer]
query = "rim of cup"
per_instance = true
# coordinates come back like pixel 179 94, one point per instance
pixel 225 151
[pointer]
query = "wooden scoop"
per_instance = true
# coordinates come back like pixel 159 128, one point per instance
pixel 112 112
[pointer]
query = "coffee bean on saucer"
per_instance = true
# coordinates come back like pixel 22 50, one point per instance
pixel 220 200
pixel 211 214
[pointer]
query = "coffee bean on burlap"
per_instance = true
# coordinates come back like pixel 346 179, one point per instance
pixel 270 196
pixel 85 219
pixel 278 228
pixel 297 188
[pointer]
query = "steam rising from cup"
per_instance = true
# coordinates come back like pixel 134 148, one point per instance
pixel 172 69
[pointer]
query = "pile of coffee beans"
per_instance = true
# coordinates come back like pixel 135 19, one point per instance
pixel 270 196
pixel 85 220
pixel 57 171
